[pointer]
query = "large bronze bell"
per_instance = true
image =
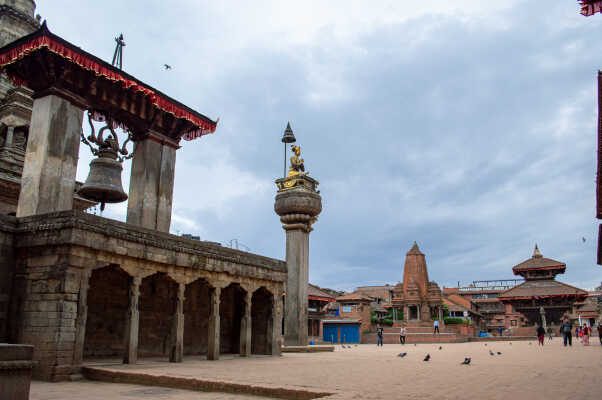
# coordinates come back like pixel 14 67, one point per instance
pixel 104 179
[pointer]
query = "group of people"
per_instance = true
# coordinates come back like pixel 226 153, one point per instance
pixel 581 332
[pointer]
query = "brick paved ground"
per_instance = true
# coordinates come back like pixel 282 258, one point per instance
pixel 523 371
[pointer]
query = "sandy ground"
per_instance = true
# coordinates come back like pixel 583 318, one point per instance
pixel 522 371
pixel 115 391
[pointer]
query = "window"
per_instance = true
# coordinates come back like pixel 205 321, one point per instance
pixel 513 322
pixel 346 308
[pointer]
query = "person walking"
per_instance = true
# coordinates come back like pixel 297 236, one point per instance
pixel 565 330
pixel 402 335
pixel 586 332
pixel 436 325
pixel 600 332
pixel 379 333
pixel 499 331
pixel 540 334
pixel 550 333
pixel 577 331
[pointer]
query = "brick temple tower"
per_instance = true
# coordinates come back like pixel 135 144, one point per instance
pixel 419 298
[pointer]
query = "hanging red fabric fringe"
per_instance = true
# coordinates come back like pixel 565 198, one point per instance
pixel 590 7
pixel 54 46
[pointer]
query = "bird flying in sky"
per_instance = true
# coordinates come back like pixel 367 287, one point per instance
pixel 166 66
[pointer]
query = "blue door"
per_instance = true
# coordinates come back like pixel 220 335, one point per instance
pixel 350 333
pixel 330 333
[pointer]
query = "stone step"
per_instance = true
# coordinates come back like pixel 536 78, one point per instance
pixel 390 338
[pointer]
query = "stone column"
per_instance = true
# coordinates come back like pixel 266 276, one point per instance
pixel 406 314
pixel 8 141
pixel 82 317
pixel 246 327
pixel 177 349
pixel 440 309
pixel 298 205
pixel 151 183
pixel 213 341
pixel 275 328
pixel 132 324
pixel 48 180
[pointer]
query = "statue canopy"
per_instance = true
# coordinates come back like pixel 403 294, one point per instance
pixel 46 64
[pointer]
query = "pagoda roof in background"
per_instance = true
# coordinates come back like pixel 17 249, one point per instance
pixel 538 262
pixel 541 289
pixel 43 60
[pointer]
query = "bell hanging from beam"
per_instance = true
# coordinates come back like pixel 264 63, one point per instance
pixel 104 180
pixel 103 184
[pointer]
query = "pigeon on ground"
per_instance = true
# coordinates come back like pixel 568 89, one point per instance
pixel 402 354
pixel 414 344
pixel 485 344
pixel 356 345
pixel 510 343
pixel 499 353
pixel 466 361
pixel 491 353
pixel 440 348
pixel 428 357
pixel 529 343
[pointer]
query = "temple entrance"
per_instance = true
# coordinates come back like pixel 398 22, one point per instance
pixel 196 317
pixel 412 312
pixel 231 311
pixel 261 325
pixel 157 305
pixel 107 312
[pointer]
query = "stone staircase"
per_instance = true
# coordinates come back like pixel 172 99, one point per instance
pixel 416 332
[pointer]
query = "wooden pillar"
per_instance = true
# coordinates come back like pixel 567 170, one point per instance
pixel 82 317
pixel 177 349
pixel 133 323
pixel 213 342
pixel 245 327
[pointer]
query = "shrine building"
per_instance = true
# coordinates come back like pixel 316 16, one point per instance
pixel 541 299
pixel 78 286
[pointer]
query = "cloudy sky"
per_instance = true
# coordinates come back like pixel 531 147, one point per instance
pixel 467 126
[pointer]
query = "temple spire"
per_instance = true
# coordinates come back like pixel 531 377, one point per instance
pixel 536 252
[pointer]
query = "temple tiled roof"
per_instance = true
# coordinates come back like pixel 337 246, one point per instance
pixel 353 297
pixel 317 293
pixel 541 288
pixel 538 262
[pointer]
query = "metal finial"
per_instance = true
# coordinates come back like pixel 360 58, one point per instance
pixel 118 55
pixel 289 136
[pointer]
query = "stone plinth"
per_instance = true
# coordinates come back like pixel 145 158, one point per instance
pixel 298 205
pixel 15 371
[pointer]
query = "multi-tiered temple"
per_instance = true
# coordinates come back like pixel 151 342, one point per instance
pixel 541 298
pixel 419 298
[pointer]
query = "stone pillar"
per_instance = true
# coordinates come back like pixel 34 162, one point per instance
pixel 48 180
pixel 406 314
pixel 151 184
pixel 8 141
pixel 177 349
pixel 82 317
pixel 15 371
pixel 440 309
pixel 275 328
pixel 213 342
pixel 133 323
pixel 298 205
pixel 246 327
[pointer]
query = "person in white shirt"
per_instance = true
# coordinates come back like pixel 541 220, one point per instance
pixel 436 327
pixel 402 335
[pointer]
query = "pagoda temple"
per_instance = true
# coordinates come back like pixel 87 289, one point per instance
pixel 419 298
pixel 541 299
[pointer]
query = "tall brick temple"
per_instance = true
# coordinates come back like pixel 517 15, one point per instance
pixel 419 298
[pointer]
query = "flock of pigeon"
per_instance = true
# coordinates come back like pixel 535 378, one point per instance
pixel 466 359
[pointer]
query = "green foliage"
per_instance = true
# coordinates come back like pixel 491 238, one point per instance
pixel 454 321
pixel 445 311
pixel 388 321
pixel 374 319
